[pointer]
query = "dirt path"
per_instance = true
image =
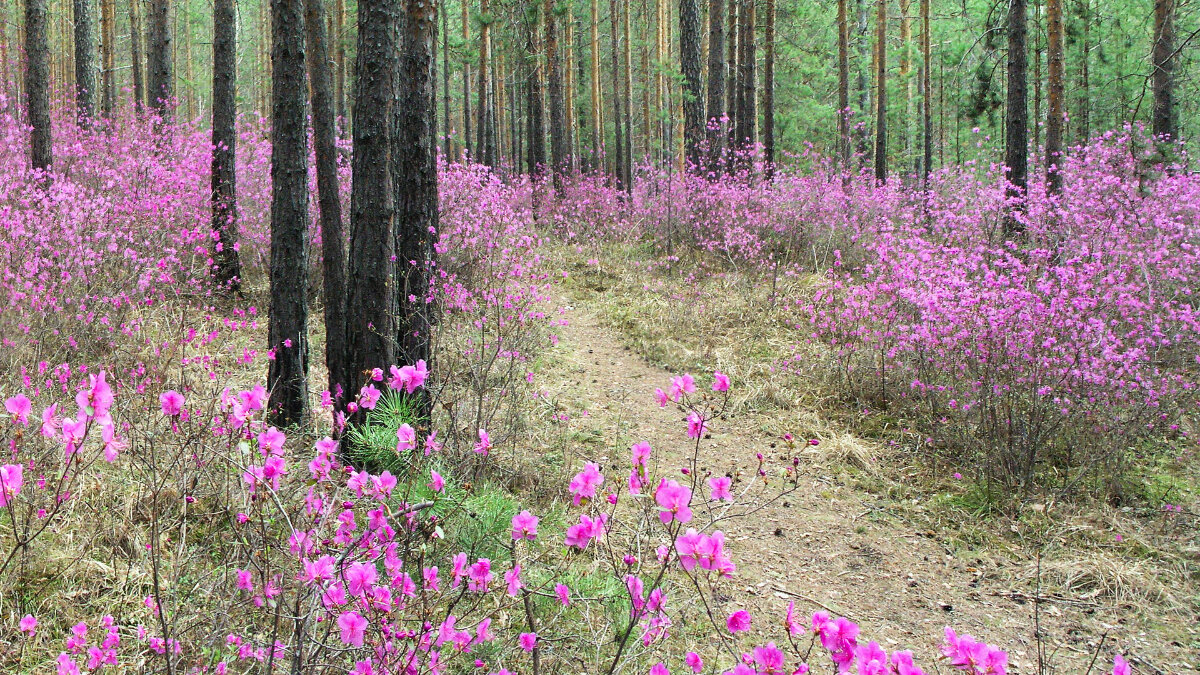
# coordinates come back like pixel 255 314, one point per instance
pixel 828 545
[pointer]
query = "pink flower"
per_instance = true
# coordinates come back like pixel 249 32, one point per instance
pixel 29 624
pixel 409 378
pixel 738 622
pixel 902 664
pixel 480 576
pixel 583 485
pixel 352 626
pixel 694 662
pixel 696 425
pixel 661 397
pixel 528 641
pixel 580 535
pixel 563 593
pixel 674 500
pixel 11 479
pixel 360 578
pixel 872 660
pixel 524 526
pixel 719 487
pixel 484 446
pixel 19 406
pixel 50 421
pixel 720 381
pixel 659 669
pixel 96 398
pixel 368 397
pixel 271 441
pixel 513 579
pixel 245 580
pixel 438 483
pixel 769 659
pixel 640 453
pixel 684 384
pixel 406 438
pixel 1120 667
pixel 171 402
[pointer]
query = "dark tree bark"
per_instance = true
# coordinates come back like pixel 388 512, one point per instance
pixel 747 104
pixel 1054 111
pixel 1016 132
pixel 557 108
pixel 927 92
pixel 881 163
pixel 769 90
pixel 1084 115
pixel 485 121
pixel 333 250
pixel 369 334
pixel 862 76
pixel 226 263
pixel 693 90
pixel 37 84
pixel 414 180
pixel 85 62
pixel 466 79
pixel 733 80
pixel 1163 80
pixel 135 54
pixel 287 377
pixel 716 80
pixel 618 97
pixel 447 120
pixel 533 90
pixel 158 60
pixel 108 35
pixel 843 119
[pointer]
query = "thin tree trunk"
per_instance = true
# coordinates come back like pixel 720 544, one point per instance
pixel 907 80
pixel 693 91
pixel 569 90
pixel 927 91
pixel 1037 75
pixel 618 96
pixel 466 104
pixel 558 149
pixel 881 163
pixel 769 91
pixel 1054 111
pixel 227 269
pixel 596 119
pixel 862 132
pixel 537 129
pixel 446 118
pixel 716 80
pixel 85 63
pixel 287 377
pixel 339 50
pixel 1016 132
pixel 333 252
pixel 414 180
pixel 733 87
pixel 747 113
pixel 843 112
pixel 628 44
pixel 159 58
pixel 135 54
pixel 108 36
pixel 483 138
pixel 1085 93
pixel 37 85
pixel 369 334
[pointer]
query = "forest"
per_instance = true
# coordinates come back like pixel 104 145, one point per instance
pixel 526 337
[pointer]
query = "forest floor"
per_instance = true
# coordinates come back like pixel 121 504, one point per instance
pixel 870 534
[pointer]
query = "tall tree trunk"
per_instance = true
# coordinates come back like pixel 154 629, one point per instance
pixel 733 80
pixel 466 75
pixel 628 44
pixel 747 113
pixel 1037 75
pixel 843 112
pixel 1085 93
pixel 693 91
pixel 158 60
pixel 716 80
pixel 1016 132
pixel 554 82
pixel 414 177
pixel 597 119
pixel 484 133
pixel 1054 111
pixel 37 85
pixel 927 92
pixel 569 89
pixel 533 91
pixel 85 62
pixel 619 95
pixel 135 54
pixel 881 163
pixel 907 81
pixel 769 90
pixel 287 377
pixel 862 132
pixel 108 36
pixel 333 252
pixel 339 51
pixel 447 120
pixel 369 334
pixel 227 269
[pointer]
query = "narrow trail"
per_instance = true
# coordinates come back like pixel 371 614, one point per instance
pixel 827 545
